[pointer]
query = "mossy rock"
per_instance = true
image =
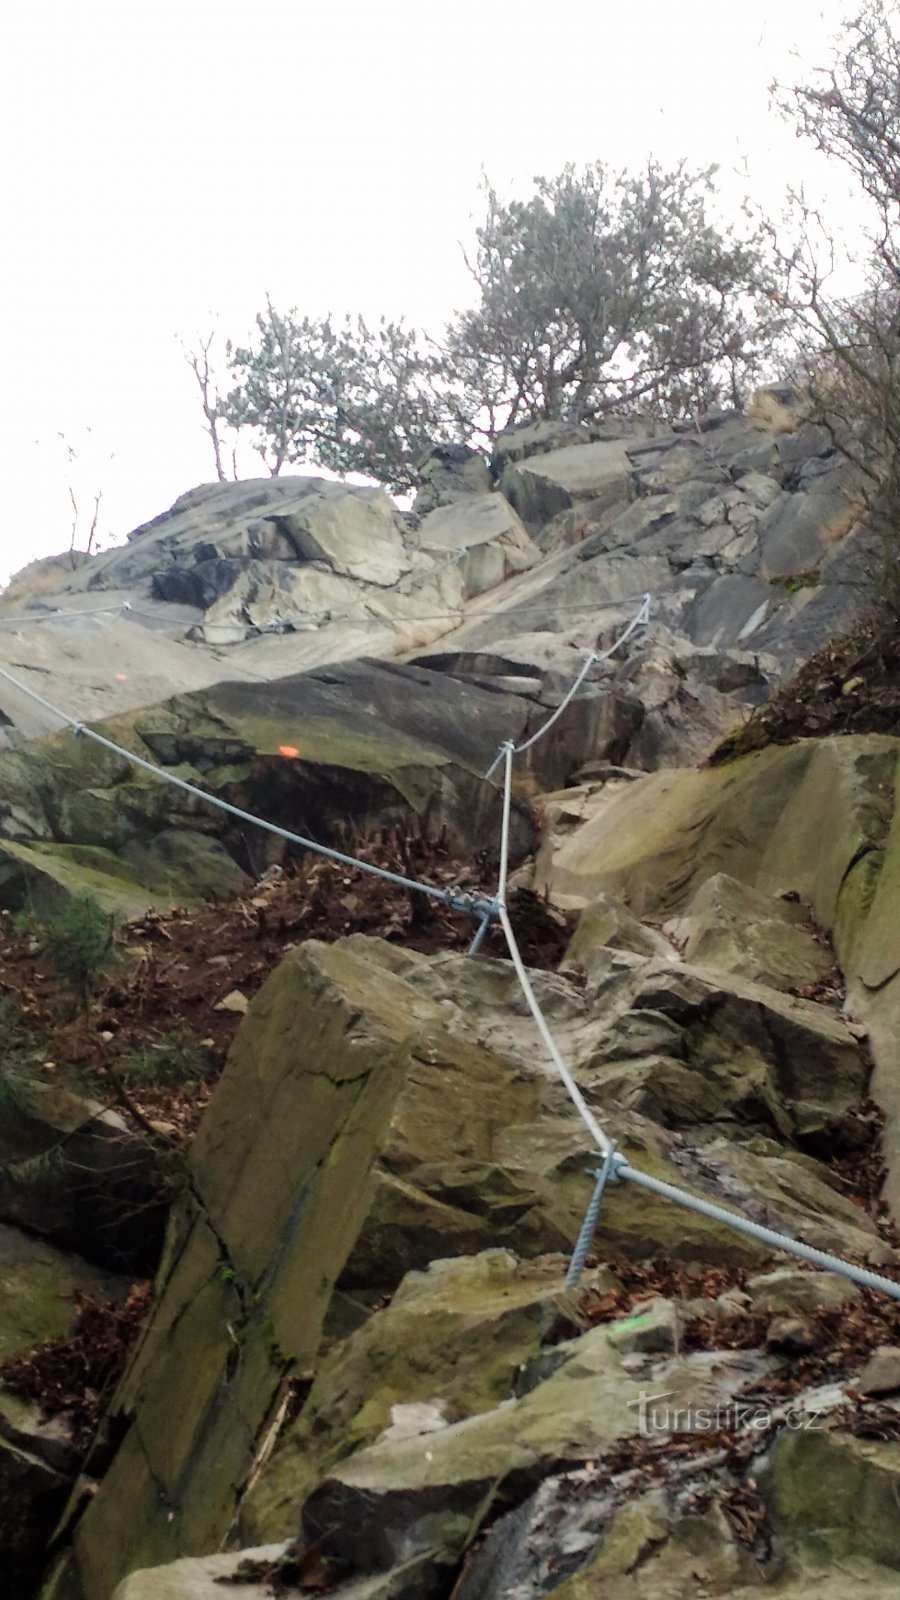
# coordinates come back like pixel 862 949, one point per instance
pixel 454 1336
pixel 841 1489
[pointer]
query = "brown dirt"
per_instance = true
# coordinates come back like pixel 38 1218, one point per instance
pixel 852 686
pixel 177 967
pixel 842 1339
pixel 74 1377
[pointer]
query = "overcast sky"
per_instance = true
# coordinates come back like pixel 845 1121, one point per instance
pixel 169 162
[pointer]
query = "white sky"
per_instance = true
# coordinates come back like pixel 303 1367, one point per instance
pixel 166 162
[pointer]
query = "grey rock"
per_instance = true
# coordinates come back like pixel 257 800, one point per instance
pixel 606 924
pixel 74 1173
pixel 651 1329
pixel 388 729
pixel 546 484
pixel 881 1373
pixel 730 610
pixel 730 926
pixel 396 1499
pixel 798 529
pixel 451 472
pixel 536 438
pixel 485 535
pixel 790 1289
pixel 791 1336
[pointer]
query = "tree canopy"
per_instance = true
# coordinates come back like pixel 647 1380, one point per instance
pixel 599 292
pixel 606 291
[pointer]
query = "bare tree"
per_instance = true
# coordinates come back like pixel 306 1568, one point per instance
pixel 88 547
pixel 848 345
pixel 200 360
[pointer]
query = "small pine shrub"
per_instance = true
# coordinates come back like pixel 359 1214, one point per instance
pixel 80 941
pixel 20 1055
pixel 174 1060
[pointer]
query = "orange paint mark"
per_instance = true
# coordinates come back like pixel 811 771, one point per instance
pixel 288 750
pixel 121 677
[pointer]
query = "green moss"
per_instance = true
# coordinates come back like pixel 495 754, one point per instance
pixel 48 873
pixel 849 1487
pixel 39 1287
pixel 793 582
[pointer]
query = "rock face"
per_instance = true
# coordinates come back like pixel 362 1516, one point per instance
pixel 545 484
pixel 662 844
pixel 450 473
pixel 361 1337
pixel 743 531
pixel 382 1112
pixel 484 536
pixel 369 743
pixel 353 531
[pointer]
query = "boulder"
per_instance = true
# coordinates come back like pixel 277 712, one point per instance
pixel 740 1049
pixel 818 820
pixel 201 1579
pixel 662 465
pixel 449 1344
pixel 39 579
pixel 753 821
pixel 729 609
pixel 77 1175
pixel 535 439
pixel 353 530
pixel 449 473
pixel 799 528
pixel 375 744
pixel 827 1484
pixel 373 1073
pixel 281 1176
pixel 638 1561
pixel 606 925
pixel 547 483
pixel 399 1498
pixel 734 928
pixel 793 1289
pixel 624 1551
pixel 271 598
pixel 40 1288
pixel 484 534
pixel 881 1373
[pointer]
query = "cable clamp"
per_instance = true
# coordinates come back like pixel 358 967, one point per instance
pixel 615 1160
pixel 508 744
pixel 474 905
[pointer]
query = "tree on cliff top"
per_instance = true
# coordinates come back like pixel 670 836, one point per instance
pixel 608 291
pixel 344 395
pixel 600 292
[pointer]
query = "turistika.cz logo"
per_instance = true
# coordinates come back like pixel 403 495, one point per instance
pixel 662 1413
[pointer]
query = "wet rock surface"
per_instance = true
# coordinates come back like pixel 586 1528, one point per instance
pixel 363 1372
